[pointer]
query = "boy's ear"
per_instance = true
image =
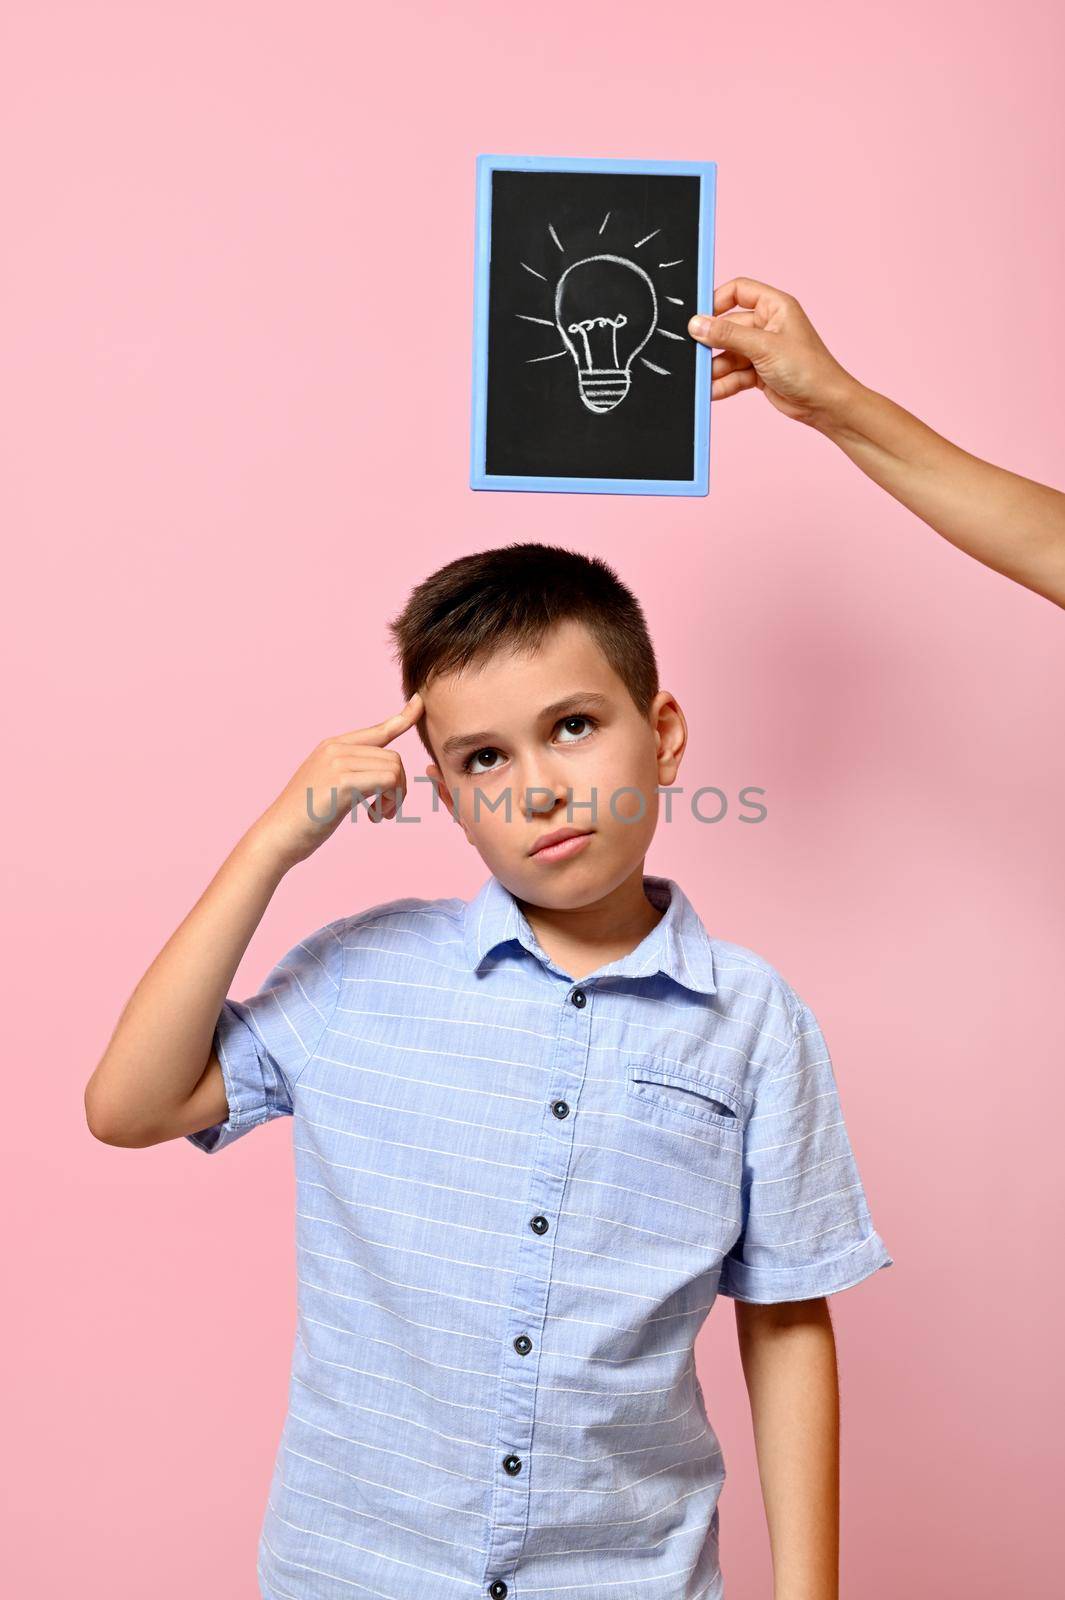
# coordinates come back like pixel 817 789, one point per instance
pixel 671 735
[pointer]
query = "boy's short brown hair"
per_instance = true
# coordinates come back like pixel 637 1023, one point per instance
pixel 510 598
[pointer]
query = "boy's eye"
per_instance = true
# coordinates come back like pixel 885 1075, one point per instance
pixel 467 765
pixel 564 722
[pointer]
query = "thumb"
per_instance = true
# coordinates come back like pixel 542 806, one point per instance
pixel 728 333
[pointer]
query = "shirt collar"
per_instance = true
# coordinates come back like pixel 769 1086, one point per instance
pixel 678 945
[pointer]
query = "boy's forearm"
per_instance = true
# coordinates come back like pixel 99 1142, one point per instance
pixel 161 1047
pixel 789 1362
pixel 162 1042
pixel 1006 521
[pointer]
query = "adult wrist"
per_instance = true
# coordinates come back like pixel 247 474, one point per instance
pixel 843 411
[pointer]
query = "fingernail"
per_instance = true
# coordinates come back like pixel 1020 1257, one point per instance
pixel 698 326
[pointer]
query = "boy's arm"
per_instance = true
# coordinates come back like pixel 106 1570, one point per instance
pixel 158 1078
pixel 1009 523
pixel 788 1354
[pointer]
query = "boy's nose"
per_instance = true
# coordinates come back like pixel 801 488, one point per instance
pixel 542 790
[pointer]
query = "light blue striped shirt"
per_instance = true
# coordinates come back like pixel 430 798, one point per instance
pixel 518 1195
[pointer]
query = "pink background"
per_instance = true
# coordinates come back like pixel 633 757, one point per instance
pixel 236 303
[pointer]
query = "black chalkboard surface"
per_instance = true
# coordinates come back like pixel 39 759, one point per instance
pixel 585 377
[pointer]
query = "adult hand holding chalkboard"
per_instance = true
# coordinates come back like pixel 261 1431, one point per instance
pixel 1014 525
pixel 585 377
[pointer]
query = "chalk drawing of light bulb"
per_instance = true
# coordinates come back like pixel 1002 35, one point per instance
pixel 606 309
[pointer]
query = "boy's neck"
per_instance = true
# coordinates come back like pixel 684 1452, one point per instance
pixel 588 937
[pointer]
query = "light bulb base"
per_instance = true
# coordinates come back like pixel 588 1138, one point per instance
pixel 603 388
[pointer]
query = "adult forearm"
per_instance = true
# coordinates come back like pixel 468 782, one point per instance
pixel 1006 521
pixel 161 1044
pixel 767 341
pixel 789 1363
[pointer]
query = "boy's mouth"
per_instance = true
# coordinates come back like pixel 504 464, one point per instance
pixel 562 842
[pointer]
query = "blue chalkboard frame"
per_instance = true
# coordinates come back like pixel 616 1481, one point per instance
pixel 699 483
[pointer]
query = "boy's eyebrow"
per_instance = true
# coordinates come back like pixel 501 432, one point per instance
pixel 558 708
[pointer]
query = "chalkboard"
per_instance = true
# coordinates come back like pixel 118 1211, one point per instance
pixel 585 377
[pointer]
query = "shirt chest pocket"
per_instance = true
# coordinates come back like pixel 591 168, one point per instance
pixel 687 1094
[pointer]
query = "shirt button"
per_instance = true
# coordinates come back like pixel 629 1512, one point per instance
pixel 523 1344
pixel 498 1589
pixel 512 1464
pixel 539 1224
pixel 578 997
pixel 560 1108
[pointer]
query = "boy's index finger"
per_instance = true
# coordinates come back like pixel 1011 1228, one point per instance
pixel 382 733
pixel 393 726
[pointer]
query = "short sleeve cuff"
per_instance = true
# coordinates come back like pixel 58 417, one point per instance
pixel 242 1073
pixel 764 1285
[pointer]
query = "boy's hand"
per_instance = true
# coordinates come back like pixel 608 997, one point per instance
pixel 350 763
pixel 771 344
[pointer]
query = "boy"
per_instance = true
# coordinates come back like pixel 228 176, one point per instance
pixel 535 1134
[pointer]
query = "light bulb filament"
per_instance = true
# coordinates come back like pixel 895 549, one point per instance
pixel 599 322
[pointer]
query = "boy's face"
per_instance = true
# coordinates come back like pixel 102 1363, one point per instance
pixel 528 728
